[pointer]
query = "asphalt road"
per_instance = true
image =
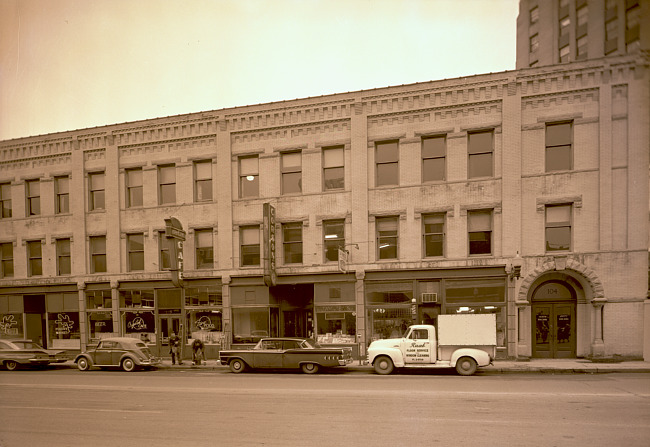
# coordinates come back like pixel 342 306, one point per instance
pixel 204 408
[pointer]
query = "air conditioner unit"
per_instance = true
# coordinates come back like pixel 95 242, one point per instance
pixel 429 297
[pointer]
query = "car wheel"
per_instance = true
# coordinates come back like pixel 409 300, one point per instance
pixel 466 366
pixel 11 365
pixel 128 364
pixel 237 366
pixel 309 368
pixel 83 364
pixel 384 365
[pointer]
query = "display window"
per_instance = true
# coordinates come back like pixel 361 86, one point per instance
pixel 389 308
pixel 63 320
pixel 250 324
pixel 140 325
pixel 205 325
pixel 11 325
pixel 100 325
pixel 336 324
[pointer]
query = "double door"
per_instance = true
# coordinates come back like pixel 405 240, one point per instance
pixel 554 330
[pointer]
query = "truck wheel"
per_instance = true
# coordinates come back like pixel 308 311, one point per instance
pixel 466 366
pixel 237 366
pixel 83 364
pixel 309 368
pixel 383 365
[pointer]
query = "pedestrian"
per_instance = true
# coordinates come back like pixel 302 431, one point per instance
pixel 197 351
pixel 174 348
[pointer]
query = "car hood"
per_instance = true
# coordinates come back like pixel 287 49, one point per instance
pixel 386 343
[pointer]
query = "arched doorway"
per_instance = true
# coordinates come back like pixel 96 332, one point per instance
pixel 554 320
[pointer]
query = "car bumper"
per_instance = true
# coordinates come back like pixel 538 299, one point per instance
pixel 151 362
pixel 344 362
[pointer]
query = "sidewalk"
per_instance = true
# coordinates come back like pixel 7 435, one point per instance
pixel 553 366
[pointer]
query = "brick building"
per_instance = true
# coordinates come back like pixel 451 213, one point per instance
pixel 346 217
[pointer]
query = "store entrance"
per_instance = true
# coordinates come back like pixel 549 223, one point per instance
pixel 35 319
pixel 554 322
pixel 167 325
pixel 296 309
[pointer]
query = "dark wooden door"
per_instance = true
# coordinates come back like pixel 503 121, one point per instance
pixel 554 330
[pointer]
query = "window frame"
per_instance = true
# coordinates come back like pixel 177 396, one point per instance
pixel 441 216
pixel 243 176
pixel 135 256
pixel 487 232
pixel 134 189
pixel 336 241
pixel 163 185
pixel 97 255
pixel 333 168
pixel 6 261
pixel 474 154
pixel 32 261
pixel 380 239
pixel 556 225
pixel 250 229
pixel 288 172
pixel 287 245
pixel 442 157
pixel 4 201
pixel 198 181
pixel 62 255
pixel 199 250
pixel 554 146
pixel 385 163
pixel 164 252
pixel 95 193
pixel 33 197
pixel 62 198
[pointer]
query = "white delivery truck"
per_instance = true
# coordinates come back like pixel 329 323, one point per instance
pixel 464 342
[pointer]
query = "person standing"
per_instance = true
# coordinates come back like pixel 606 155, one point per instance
pixel 197 351
pixel 174 348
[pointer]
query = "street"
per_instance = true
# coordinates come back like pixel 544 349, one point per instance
pixel 60 407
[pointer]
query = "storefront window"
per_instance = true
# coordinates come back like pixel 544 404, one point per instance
pixel 136 298
pixel 11 325
pixel 473 291
pixel 63 320
pixel 99 299
pixel 100 325
pixel 205 325
pixel 389 322
pixel 389 308
pixel 203 296
pixel 393 293
pixel 251 324
pixel 336 324
pixel 140 325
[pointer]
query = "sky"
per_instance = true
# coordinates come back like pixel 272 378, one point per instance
pixel 75 64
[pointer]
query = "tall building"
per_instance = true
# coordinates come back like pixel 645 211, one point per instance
pixel 557 31
pixel 345 217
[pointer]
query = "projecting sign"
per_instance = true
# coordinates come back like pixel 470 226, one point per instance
pixel 268 230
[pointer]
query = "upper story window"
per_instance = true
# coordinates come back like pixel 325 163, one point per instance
pixel 563 39
pixel 249 238
pixel 632 27
pixel 333 238
pixel 292 242
pixel 434 151
pixel 33 192
pixel 6 260
pixel 97 193
pixel 34 258
pixel 582 15
pixel 564 54
pixel 203 242
pixel 97 254
pixel 387 237
pixel 534 43
pixel 99 299
pixel 611 35
pixel 479 227
pixel 5 200
pixel 534 15
pixel 433 233
pixel 63 260
pixel 559 156
pixel 333 171
pixel 164 247
pixel 558 227
pixel 291 172
pixel 387 161
pixel 203 181
pixel 581 47
pixel 480 148
pixel 249 177
pixel 134 187
pixel 62 191
pixel 166 184
pixel 135 251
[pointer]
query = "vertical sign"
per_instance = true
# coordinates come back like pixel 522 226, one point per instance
pixel 175 237
pixel 268 231
pixel 343 260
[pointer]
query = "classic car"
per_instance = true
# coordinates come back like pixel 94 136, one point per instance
pixel 16 353
pixel 286 353
pixel 117 352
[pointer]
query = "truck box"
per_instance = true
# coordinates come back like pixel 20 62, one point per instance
pixel 467 329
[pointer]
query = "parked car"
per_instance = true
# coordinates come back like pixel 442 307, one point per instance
pixel 17 353
pixel 286 353
pixel 117 352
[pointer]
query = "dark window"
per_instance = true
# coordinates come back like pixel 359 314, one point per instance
pixel 564 54
pixel 203 181
pixel 250 245
pixel 558 147
pixel 387 237
pixel 96 187
pixel 479 226
pixel 333 171
pixel 5 200
pixel 164 247
pixel 333 238
pixel 534 15
pixel 387 160
pixel 34 258
pixel 62 190
pixel 434 151
pixel 33 190
pixel 135 250
pixel 6 260
pixel 292 242
pixel 97 254
pixel 291 172
pixel 534 43
pixel 558 227
pixel 63 265
pixel 133 187
pixel 166 184
pixel 249 177
pixel 581 45
pixel 204 248
pixel 480 148
pixel 434 234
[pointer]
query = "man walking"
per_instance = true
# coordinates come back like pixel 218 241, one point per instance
pixel 174 348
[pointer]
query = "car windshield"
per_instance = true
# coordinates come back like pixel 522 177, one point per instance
pixel 27 345
pixel 309 344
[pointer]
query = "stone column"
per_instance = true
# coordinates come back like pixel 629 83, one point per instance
pixel 359 294
pixel 597 343
pixel 226 312
pixel 83 327
pixel 115 308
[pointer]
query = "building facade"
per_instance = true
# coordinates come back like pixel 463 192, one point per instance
pixel 345 217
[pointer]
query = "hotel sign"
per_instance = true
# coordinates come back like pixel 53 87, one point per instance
pixel 268 231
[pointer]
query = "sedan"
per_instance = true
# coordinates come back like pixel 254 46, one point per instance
pixel 118 352
pixel 286 353
pixel 17 353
